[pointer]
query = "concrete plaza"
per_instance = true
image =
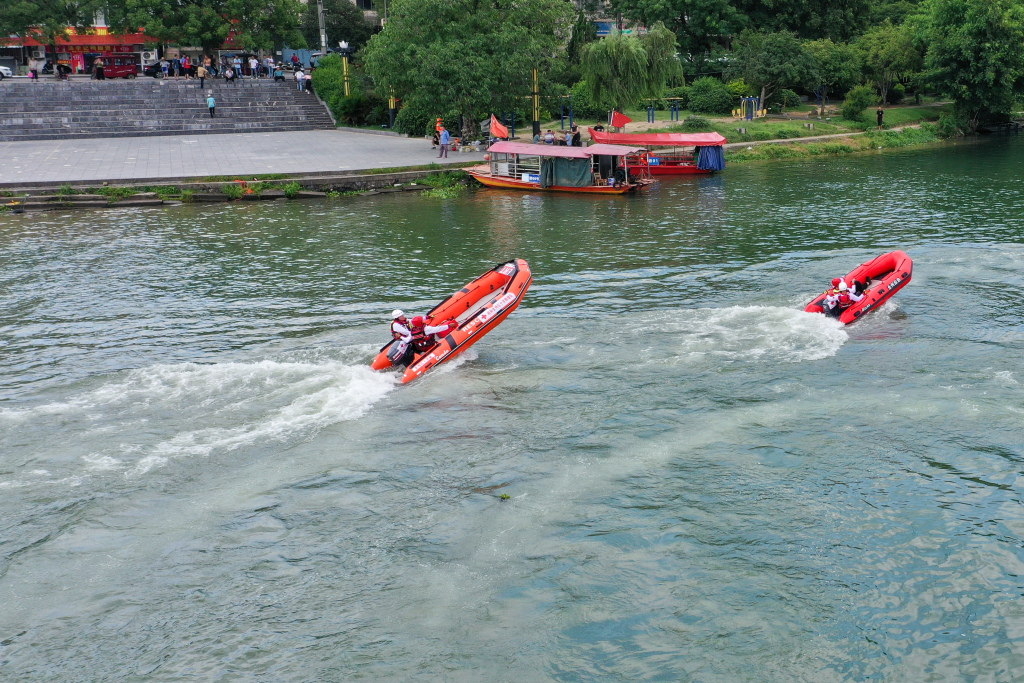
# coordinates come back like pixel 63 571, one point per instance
pixel 157 158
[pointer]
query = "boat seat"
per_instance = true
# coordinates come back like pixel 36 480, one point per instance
pixel 478 306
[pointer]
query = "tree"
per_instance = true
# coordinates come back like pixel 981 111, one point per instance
pixel 254 24
pixel 810 19
pixel 472 56
pixel 837 66
pixel 770 61
pixel 974 56
pixel 889 55
pixel 343 20
pixel 621 69
pixel 701 26
pixel 47 21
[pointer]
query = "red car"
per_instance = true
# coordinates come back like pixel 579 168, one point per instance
pixel 118 66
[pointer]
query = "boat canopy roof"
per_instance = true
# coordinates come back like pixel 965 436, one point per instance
pixel 566 152
pixel 660 139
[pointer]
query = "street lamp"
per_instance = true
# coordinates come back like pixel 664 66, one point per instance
pixel 346 52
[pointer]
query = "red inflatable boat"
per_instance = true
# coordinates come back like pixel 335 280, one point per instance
pixel 477 308
pixel 882 277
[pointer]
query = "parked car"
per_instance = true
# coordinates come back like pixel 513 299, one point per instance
pixel 119 66
pixel 153 70
pixel 5 72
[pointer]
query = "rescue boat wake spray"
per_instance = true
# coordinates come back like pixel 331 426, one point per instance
pixel 455 324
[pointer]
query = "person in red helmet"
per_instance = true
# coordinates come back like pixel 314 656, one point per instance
pixel 425 336
pixel 847 297
pixel 831 303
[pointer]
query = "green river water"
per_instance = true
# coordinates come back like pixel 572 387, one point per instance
pixel 201 479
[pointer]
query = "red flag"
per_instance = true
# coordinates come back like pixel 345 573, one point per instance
pixel 620 120
pixel 498 130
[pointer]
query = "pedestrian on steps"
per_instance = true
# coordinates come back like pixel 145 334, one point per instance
pixel 201 74
pixel 211 103
pixel 300 79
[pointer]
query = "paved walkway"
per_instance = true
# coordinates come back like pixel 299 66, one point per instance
pixel 191 156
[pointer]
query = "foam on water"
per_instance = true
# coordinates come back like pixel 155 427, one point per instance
pixel 750 333
pixel 216 407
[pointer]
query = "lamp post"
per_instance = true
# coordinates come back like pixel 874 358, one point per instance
pixel 392 109
pixel 536 104
pixel 345 51
pixel 323 26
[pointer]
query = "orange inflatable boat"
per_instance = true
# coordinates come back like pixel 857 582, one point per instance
pixel 477 309
pixel 882 277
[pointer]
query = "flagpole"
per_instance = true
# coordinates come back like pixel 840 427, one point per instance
pixel 536 104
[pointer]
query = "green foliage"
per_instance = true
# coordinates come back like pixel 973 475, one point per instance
pixel 695 124
pixel 857 100
pixel 975 56
pixel 445 192
pixel 343 21
pixel 739 89
pixel 464 55
pixel 234 190
pixel 896 94
pixel 292 189
pixel 681 93
pixel 948 127
pixel 770 61
pixel 888 54
pixel 710 96
pixel 701 26
pixel 623 69
pixel 445 179
pixel 837 65
pixel 787 98
pixel 419 117
pixel 253 24
pixel 114 194
pixel 583 105
pixel 47 21
pixel 66 190
pixel 187 196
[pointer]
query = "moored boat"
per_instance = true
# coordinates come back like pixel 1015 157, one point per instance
pixel 687 153
pixel 477 309
pixel 598 169
pixel 882 277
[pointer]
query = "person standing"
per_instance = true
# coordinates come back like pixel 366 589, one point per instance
pixel 210 102
pixel 177 69
pixel 186 67
pixel 576 141
pixel 165 66
pixel 254 67
pixel 201 74
pixel 300 79
pixel 880 115
pixel 97 68
pixel 445 138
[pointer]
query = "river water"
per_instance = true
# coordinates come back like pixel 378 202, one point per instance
pixel 201 479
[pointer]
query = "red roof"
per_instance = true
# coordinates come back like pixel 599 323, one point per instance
pixel 109 39
pixel 661 139
pixel 558 151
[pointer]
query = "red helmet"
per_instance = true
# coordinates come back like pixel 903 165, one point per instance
pixel 418 321
pixel 836 281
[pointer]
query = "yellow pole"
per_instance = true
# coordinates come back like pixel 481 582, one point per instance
pixel 344 62
pixel 536 104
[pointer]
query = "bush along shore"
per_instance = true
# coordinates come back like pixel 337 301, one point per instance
pixel 851 144
pixel 430 182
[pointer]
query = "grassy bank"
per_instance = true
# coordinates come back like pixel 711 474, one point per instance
pixel 872 140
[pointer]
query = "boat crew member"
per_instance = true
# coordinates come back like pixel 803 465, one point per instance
pixel 403 352
pixel 425 336
pixel 830 305
pixel 847 297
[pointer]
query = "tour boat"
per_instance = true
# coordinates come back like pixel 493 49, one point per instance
pixel 689 152
pixel 597 169
pixel 477 308
pixel 882 277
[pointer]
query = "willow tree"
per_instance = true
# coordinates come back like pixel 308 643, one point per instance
pixel 471 56
pixel 622 69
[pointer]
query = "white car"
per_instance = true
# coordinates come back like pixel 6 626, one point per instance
pixel 5 72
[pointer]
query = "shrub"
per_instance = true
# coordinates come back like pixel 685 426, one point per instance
pixel 787 98
pixel 682 92
pixel 857 100
pixel 710 96
pixel 234 191
pixel 415 118
pixel 948 127
pixel 696 123
pixel 739 89
pixel 896 93
pixel 187 196
pixel 583 106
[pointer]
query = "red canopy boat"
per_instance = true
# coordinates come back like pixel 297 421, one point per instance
pixel 691 153
pixel 882 277
pixel 597 169
pixel 478 308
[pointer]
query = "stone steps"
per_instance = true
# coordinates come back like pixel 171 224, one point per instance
pixel 83 109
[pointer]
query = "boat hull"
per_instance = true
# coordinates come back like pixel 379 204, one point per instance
pixel 668 169
pixel 479 307
pixel 887 274
pixel 489 180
